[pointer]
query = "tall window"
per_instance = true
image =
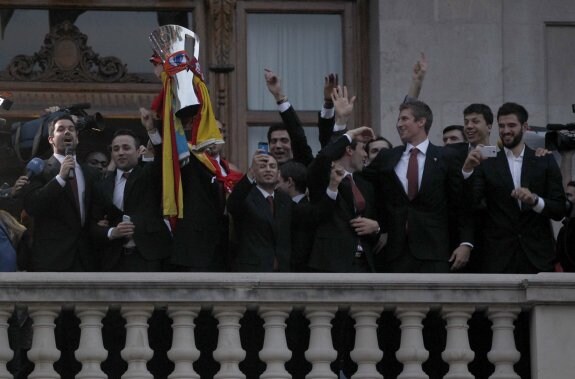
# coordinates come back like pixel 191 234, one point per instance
pixel 302 46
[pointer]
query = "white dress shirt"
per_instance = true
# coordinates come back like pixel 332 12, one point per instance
pixel 401 167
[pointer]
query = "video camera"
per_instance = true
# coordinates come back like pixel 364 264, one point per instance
pixel 5 104
pixel 561 137
pixel 30 138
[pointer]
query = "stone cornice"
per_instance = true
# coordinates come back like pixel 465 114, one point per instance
pixel 113 100
pixel 390 290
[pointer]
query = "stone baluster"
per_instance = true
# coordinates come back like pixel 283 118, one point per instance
pixel 457 352
pixel 6 353
pixel 275 352
pixel 137 351
pixel 412 352
pixel 320 352
pixel 503 353
pixel 91 352
pixel 366 352
pixel 229 352
pixel 183 352
pixel 43 352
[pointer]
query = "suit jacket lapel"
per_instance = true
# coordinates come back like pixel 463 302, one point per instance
pixel 528 159
pixel 130 183
pixel 429 167
pixel 396 155
pixel 504 170
pixel 108 184
pixel 52 169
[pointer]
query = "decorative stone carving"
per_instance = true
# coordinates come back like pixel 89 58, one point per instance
pixel 222 14
pixel 65 57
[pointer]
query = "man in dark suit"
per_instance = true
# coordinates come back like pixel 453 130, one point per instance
pixel 347 228
pixel 417 184
pixel 293 182
pixel 262 217
pixel 133 191
pixel 198 244
pixel 287 141
pixel 521 193
pixel 59 201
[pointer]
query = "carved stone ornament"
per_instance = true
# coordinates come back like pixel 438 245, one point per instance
pixel 65 57
pixel 222 13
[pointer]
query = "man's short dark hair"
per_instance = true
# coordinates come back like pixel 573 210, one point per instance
pixel 274 128
pixel 481 109
pixel 378 138
pixel 449 128
pixel 419 110
pixel 513 108
pixel 127 132
pixel 52 125
pixel 298 172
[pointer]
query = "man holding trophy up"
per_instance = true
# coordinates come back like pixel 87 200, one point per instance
pixel 193 197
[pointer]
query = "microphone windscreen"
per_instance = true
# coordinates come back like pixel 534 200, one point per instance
pixel 35 166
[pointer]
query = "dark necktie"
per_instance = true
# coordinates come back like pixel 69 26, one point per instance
pixel 74 186
pixel 412 174
pixel 358 199
pixel 270 200
pixel 126 175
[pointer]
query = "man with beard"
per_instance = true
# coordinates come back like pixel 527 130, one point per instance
pixel 59 201
pixel 521 193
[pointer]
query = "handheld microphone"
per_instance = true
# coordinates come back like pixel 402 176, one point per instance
pixel 34 167
pixel 70 151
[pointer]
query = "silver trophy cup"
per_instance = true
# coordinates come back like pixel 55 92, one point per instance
pixel 174 44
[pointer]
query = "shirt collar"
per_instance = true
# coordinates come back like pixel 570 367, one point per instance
pixel 422 147
pixel 119 173
pixel 264 192
pixel 61 157
pixel 297 198
pixel 509 153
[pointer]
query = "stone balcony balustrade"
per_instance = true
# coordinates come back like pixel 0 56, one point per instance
pixel 548 299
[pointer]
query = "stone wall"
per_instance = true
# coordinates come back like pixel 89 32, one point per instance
pixel 487 51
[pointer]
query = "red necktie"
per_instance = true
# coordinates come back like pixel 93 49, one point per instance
pixel 412 174
pixel 358 199
pixel 270 200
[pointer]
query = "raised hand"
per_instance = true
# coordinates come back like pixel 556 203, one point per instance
pixel 273 83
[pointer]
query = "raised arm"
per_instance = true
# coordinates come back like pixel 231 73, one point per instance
pixel 301 151
pixel 419 70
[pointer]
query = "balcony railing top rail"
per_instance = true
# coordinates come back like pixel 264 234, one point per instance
pixel 294 289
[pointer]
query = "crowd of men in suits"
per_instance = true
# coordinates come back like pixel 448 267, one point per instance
pixel 360 205
pixel 437 206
